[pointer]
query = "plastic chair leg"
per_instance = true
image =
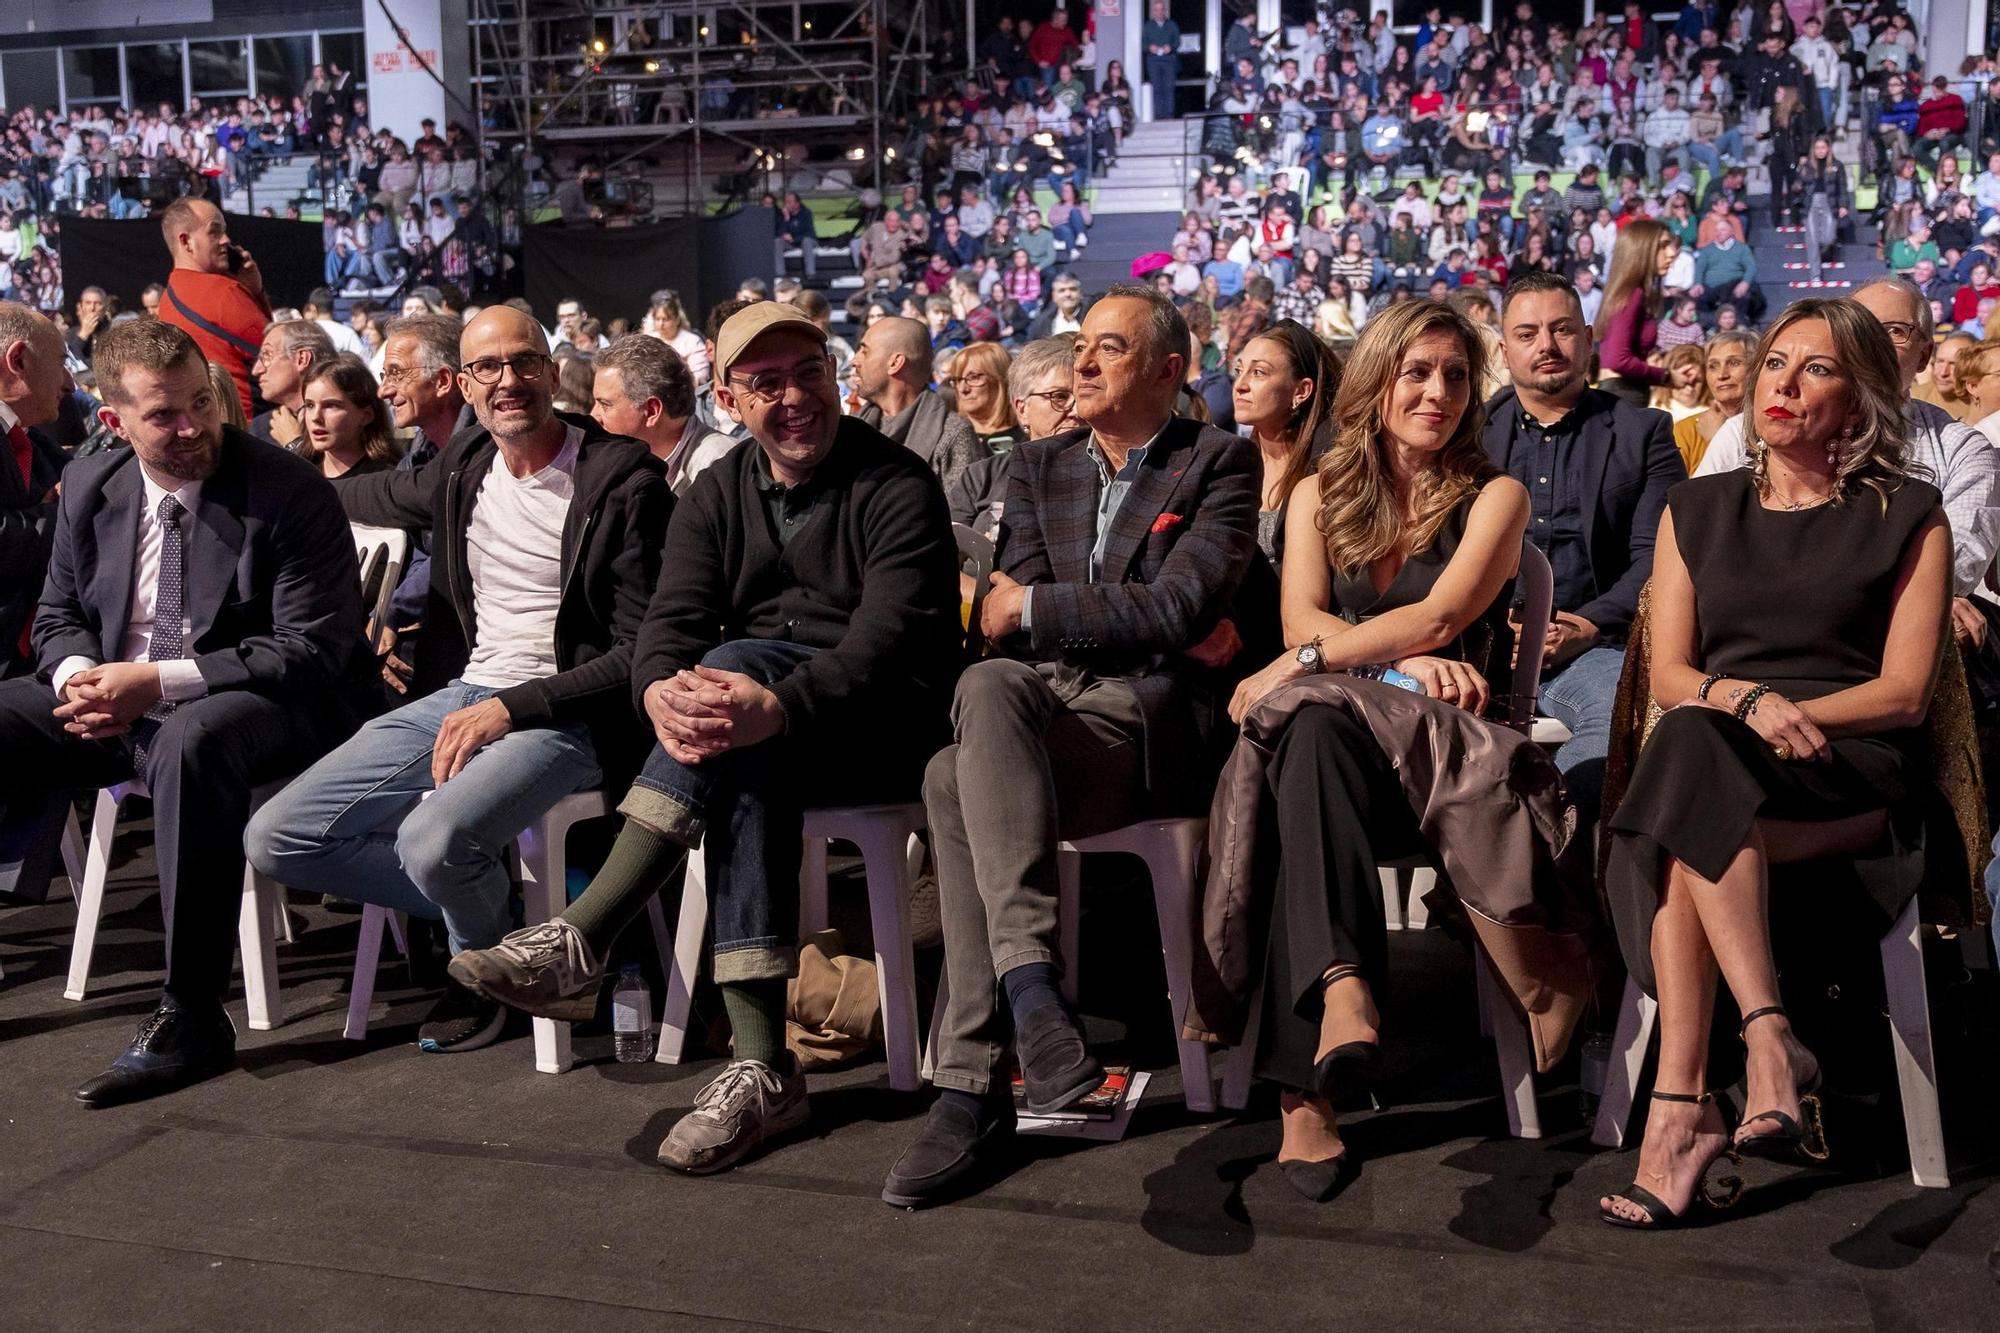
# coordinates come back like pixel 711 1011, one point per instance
pixel 1512 1045
pixel 1069 918
pixel 885 855
pixel 812 888
pixel 1172 867
pixel 1910 1028
pixel 1637 1013
pixel 90 898
pixel 259 945
pixel 543 894
pixel 685 964
pixel 367 958
pixel 1392 897
pixel 75 855
pixel 1239 1068
pixel 1422 879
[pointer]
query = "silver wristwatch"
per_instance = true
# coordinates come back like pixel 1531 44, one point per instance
pixel 1310 660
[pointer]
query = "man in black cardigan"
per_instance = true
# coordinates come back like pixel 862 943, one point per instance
pixel 545 545
pixel 1123 548
pixel 800 649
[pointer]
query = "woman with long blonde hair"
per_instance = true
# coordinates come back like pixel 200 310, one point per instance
pixel 1797 610
pixel 1399 551
pixel 979 375
pixel 1628 323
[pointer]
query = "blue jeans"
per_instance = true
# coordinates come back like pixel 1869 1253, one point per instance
pixel 1067 232
pixel 1580 697
pixel 755 815
pixel 356 825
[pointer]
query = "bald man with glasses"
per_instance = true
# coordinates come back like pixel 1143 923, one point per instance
pixel 545 545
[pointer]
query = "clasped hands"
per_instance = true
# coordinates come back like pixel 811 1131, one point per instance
pixel 705 712
pixel 101 702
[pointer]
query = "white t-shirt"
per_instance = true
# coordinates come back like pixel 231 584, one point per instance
pixel 514 550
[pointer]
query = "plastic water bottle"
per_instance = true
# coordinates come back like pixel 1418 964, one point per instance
pixel 1592 1072
pixel 632 1017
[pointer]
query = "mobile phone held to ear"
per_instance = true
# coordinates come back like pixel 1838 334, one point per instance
pixel 238 257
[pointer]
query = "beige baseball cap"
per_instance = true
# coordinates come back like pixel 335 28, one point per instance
pixel 752 322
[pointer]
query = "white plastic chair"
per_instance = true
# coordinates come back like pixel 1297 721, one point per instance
pixel 884 834
pixel 384 551
pixel 1909 1031
pixel 257 925
pixel 542 863
pixel 1171 849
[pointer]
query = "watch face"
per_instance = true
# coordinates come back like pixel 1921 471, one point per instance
pixel 1309 656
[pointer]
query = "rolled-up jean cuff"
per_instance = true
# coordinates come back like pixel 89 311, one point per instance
pixel 664 814
pixel 755 960
pixel 1021 958
pixel 976 1084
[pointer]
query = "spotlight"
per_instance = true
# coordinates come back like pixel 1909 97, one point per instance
pixel 597 45
pixel 857 154
pixel 652 67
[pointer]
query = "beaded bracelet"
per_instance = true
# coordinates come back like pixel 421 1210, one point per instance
pixel 1748 704
pixel 1707 685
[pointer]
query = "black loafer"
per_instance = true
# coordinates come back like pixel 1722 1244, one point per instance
pixel 1057 1069
pixel 950 1157
pixel 175 1047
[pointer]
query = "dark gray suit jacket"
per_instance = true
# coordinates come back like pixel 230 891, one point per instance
pixel 273 588
pixel 1175 563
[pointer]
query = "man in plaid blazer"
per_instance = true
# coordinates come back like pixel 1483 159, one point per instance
pixel 1115 606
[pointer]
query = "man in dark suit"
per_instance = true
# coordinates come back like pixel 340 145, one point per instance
pixel 200 629
pixel 32 385
pixel 1122 548
pixel 1597 471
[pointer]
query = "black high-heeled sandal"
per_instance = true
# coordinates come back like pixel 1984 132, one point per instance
pixel 1658 1215
pixel 1805 1136
pixel 1348 1075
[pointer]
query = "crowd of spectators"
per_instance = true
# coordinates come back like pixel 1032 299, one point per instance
pixel 392 207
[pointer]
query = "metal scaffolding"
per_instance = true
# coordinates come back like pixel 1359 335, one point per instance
pixel 626 77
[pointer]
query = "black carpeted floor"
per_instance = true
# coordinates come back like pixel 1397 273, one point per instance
pixel 332 1184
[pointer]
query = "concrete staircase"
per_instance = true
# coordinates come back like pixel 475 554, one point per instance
pixel 1151 175
pixel 279 182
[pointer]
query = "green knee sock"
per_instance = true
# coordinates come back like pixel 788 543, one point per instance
pixel 756 1012
pixel 639 866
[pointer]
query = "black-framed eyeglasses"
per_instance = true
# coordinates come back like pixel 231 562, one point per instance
pixel 770 385
pixel 1899 332
pixel 527 367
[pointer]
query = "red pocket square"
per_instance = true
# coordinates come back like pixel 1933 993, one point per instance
pixel 1165 521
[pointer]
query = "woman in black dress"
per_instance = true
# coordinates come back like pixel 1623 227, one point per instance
pixel 1397 550
pixel 1797 609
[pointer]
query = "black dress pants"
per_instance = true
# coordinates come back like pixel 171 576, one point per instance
pixel 1339 812
pixel 201 767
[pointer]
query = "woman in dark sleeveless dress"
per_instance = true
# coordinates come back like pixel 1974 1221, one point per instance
pixel 1797 610
pixel 1398 551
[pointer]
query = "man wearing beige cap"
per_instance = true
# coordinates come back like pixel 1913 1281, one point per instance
pixel 801 649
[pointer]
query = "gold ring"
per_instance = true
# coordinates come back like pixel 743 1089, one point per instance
pixel 1782 750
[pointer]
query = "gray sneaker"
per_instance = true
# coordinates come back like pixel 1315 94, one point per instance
pixel 747 1105
pixel 546 971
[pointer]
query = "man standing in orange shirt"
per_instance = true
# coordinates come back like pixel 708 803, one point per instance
pixel 215 292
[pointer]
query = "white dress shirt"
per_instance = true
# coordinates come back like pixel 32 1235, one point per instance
pixel 1964 466
pixel 180 679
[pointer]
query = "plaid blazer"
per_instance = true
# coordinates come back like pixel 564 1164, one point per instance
pixel 1175 559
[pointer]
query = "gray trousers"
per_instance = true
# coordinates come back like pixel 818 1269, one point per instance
pixel 1820 231
pixel 1042 754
